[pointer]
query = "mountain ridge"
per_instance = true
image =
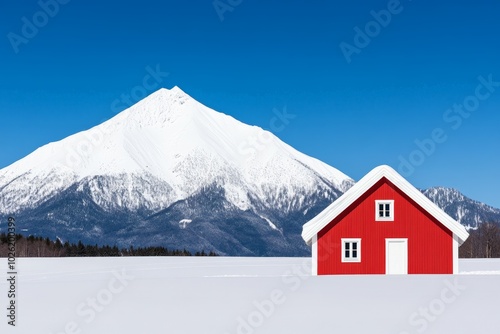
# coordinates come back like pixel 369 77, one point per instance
pixel 167 152
pixel 161 137
pixel 171 171
pixel 465 210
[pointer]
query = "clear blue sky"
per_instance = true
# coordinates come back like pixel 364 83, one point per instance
pixel 265 55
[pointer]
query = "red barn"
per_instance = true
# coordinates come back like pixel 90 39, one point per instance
pixel 384 225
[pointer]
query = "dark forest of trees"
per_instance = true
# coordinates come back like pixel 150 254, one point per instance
pixel 44 247
pixel 484 242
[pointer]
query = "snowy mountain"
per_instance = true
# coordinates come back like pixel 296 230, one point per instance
pixel 172 171
pixel 466 211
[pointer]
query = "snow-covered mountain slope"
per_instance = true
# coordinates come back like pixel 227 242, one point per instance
pixel 466 211
pixel 165 150
pixel 170 171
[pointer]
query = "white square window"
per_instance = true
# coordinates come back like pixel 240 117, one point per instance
pixel 384 210
pixel 351 250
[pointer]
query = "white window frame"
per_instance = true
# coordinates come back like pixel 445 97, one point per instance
pixel 358 249
pixel 391 209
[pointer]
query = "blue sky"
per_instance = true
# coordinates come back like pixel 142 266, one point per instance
pixel 396 86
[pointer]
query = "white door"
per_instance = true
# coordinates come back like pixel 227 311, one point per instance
pixel 396 256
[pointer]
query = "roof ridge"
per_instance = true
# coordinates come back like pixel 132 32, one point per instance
pixel 315 225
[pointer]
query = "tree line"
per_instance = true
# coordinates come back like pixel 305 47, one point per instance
pixel 44 247
pixel 483 242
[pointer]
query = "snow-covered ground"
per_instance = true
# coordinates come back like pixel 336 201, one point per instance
pixel 243 295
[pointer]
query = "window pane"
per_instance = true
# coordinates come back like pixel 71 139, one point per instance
pixel 354 246
pixel 381 207
pixel 347 246
pixel 355 254
pixel 381 213
pixel 347 254
pixel 387 207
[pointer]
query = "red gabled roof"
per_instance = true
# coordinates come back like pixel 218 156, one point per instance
pixel 315 225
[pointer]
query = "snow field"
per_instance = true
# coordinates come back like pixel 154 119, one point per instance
pixel 243 295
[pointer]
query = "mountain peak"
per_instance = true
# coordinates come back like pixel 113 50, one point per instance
pixel 176 89
pixel 171 139
pixel 157 110
pixel 140 176
pixel 165 92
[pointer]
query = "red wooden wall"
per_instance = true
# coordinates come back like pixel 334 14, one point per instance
pixel 430 244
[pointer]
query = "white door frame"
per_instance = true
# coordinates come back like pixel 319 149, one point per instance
pixel 396 240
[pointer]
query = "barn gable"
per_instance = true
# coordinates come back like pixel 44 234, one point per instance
pixel 424 223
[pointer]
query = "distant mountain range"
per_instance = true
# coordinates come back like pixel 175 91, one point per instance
pixel 170 171
pixel 468 212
